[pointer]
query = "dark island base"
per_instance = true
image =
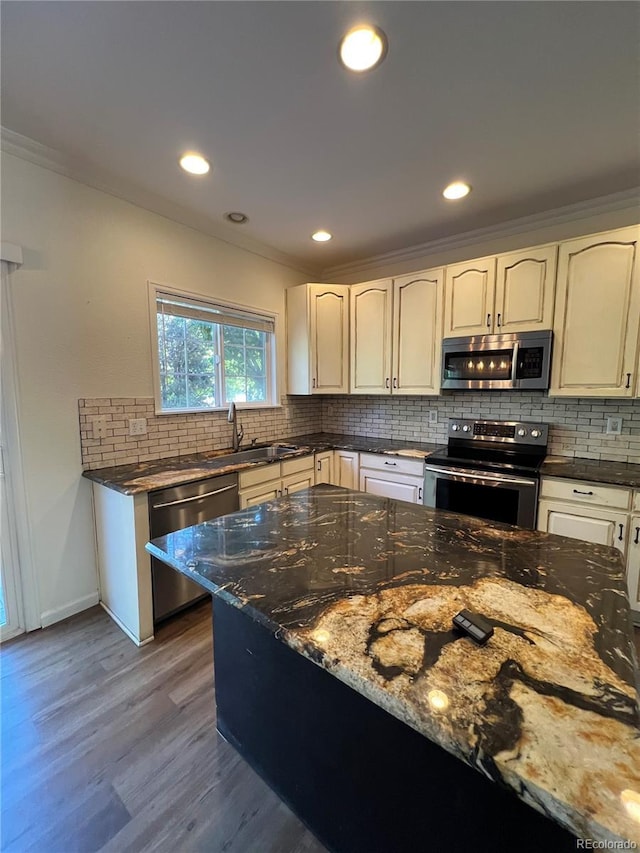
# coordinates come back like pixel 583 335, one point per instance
pixel 362 781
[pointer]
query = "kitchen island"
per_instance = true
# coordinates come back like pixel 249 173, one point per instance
pixel 340 679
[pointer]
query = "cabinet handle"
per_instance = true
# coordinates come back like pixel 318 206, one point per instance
pixel 313 382
pixel 499 323
pixel 419 493
pixel 636 541
pixel 390 463
pixel 578 492
pixel 621 526
pixel 279 492
pixel 319 463
pixel 488 321
pixel 628 385
pixel 395 382
pixel 386 382
pixel 286 490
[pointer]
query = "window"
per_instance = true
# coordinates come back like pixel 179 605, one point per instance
pixel 208 355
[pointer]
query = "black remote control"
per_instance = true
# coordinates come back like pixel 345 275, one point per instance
pixel 477 627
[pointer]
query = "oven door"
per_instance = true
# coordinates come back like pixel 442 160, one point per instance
pixel 496 497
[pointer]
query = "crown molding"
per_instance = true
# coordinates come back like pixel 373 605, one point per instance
pixel 625 200
pixel 71 167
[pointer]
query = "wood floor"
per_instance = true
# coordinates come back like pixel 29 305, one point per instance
pixel 107 747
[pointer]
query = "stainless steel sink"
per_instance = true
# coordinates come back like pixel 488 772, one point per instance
pixel 254 454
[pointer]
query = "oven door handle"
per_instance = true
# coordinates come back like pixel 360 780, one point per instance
pixel 481 476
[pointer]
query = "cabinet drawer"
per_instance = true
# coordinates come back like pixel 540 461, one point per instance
pixel 395 464
pixel 297 464
pixel 636 501
pixel 259 474
pixel 585 493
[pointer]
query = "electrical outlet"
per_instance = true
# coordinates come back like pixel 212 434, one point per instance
pixel 614 426
pixel 331 410
pixel 433 416
pixel 100 427
pixel 138 426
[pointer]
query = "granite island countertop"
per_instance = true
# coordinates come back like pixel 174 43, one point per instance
pixel 366 587
pixel 142 477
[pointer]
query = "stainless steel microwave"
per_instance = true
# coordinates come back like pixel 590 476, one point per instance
pixel 497 362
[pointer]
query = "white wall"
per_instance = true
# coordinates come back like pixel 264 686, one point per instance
pixel 82 330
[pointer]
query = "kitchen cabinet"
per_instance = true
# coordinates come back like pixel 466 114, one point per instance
pixel 268 482
pixel 633 563
pixel 469 298
pixel 324 467
pixel 525 289
pixel 346 469
pixel 597 315
pixel 596 513
pixel 511 293
pixel 396 334
pixel 318 339
pixel 371 337
pixel 392 477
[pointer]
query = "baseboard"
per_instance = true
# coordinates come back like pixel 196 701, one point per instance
pixel 49 617
pixel 124 628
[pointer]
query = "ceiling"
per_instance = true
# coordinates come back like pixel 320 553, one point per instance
pixel 533 103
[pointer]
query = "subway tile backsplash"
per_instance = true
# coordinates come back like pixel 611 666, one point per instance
pixel 181 434
pixel 577 426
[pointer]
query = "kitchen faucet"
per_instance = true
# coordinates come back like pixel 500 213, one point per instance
pixel 233 419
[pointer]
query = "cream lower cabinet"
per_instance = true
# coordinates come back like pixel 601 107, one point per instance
pixel 268 482
pixel 324 463
pixel 345 469
pixel 392 477
pixel 593 512
pixel 396 334
pixel 597 315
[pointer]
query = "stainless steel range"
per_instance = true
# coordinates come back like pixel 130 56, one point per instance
pixel 489 469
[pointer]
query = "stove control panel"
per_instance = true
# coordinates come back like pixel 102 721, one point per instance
pixel 508 432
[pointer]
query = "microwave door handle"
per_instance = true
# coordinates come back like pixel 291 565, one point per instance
pixel 514 364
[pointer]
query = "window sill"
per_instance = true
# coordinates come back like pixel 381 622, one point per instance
pixel 241 407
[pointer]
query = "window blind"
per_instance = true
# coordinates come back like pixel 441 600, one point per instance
pixel 209 312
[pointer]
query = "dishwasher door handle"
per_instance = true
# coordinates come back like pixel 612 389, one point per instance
pixel 193 498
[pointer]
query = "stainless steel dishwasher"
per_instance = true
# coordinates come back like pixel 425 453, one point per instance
pixel 171 510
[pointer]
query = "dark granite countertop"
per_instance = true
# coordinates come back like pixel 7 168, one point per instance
pixel 366 587
pixel 596 470
pixel 173 471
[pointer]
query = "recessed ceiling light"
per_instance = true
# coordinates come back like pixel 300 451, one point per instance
pixel 195 164
pixel 321 236
pixel 236 217
pixel 363 48
pixel 456 190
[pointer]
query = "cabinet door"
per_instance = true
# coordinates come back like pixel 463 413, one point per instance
pixel 324 467
pixel 260 494
pixel 371 338
pixel 589 524
pixel 469 293
pixel 400 487
pixel 633 563
pixel 525 287
pixel 596 317
pixel 296 482
pixel 417 332
pixel 345 469
pixel 329 325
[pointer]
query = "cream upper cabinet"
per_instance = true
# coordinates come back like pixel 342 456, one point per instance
pixel 525 287
pixel 371 337
pixel 417 332
pixel 469 298
pixel 396 334
pixel 318 339
pixel 597 315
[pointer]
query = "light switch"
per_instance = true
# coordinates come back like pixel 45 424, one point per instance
pixel 433 416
